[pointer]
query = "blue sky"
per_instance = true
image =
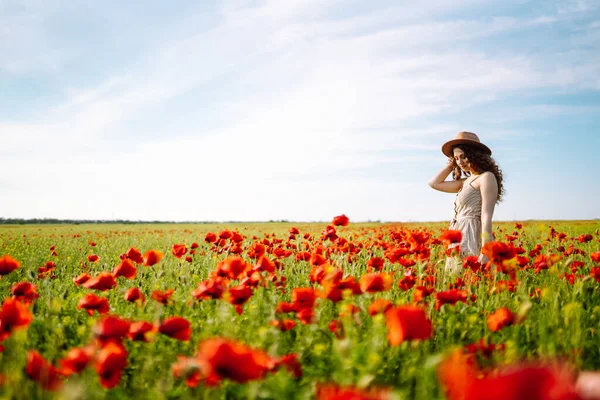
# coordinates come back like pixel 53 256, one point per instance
pixel 295 109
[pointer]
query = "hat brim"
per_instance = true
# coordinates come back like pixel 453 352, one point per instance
pixel 447 147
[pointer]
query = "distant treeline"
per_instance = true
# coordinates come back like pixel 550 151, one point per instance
pixel 56 221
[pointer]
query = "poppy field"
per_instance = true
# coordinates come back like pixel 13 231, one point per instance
pixel 332 310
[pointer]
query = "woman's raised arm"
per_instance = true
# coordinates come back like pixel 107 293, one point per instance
pixel 438 182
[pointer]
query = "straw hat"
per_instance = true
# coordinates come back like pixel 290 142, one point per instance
pixel 465 138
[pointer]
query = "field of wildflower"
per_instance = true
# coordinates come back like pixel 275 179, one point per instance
pixel 296 311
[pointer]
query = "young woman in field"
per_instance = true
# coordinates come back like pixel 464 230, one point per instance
pixel 478 182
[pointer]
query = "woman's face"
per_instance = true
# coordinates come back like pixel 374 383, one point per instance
pixel 461 160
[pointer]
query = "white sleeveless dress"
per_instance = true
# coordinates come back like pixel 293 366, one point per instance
pixel 467 219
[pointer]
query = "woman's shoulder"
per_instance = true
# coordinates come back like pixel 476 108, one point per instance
pixel 488 175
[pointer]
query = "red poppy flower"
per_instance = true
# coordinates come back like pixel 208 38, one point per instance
pixel 376 282
pixel 407 323
pixel 104 281
pixel 162 296
pixel 303 298
pixel 306 315
pixel 233 267
pixel 227 359
pixel 595 256
pixel 379 306
pixel 176 327
pixel 236 237
pixel 290 363
pixel 41 371
pixel 501 318
pixel 595 273
pixel 264 264
pixel 335 392
pixel 421 292
pixel 111 328
pixel 134 255
pixel 152 257
pixel 179 250
pixel 408 281
pixel 451 236
pixel 375 263
pixel 498 252
pixel 585 238
pixel 8 264
pixel 110 363
pixel 188 368
pixel 135 294
pixel 194 245
pixel 283 325
pixel 126 269
pixel 472 263
pixel 138 331
pixel 90 302
pixel 450 297
pixel 25 292
pixel 82 278
pixel 210 237
pixel 93 258
pixel 13 314
pixel 209 289
pixel 337 328
pixel 75 361
pixel 340 220
pixel 238 296
pixel 225 234
pixel 329 234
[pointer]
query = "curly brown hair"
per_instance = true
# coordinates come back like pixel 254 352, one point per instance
pixel 481 162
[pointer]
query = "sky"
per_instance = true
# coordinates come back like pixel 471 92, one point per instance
pixel 293 109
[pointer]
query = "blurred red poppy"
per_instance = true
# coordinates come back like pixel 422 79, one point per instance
pixel 209 289
pixel 379 306
pixel 135 294
pixel 376 282
pixel 93 258
pixel 82 278
pixel 375 263
pixel 110 363
pixel 8 265
pixel 340 220
pixel 25 292
pixel 104 281
pixel 138 331
pixel 407 323
pixel 126 269
pixel 90 302
pixel 176 327
pixel 75 361
pixel 210 237
pixel 152 257
pixel 161 296
pixel 450 297
pixel 283 325
pixel 595 256
pixel 111 328
pixel 498 252
pixel 42 371
pixel 134 255
pixel 13 315
pixel 501 318
pixel 179 250
pixel 334 392
pixel 226 359
pixel 290 363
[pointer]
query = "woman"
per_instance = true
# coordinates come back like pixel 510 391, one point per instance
pixel 478 182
